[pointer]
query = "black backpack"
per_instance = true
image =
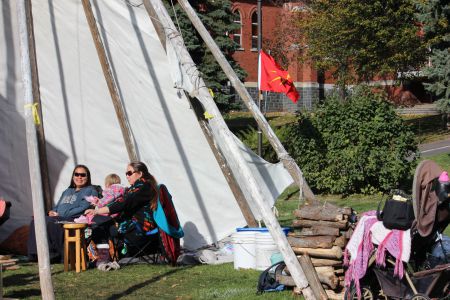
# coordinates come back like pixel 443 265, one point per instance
pixel 267 280
pixel 398 212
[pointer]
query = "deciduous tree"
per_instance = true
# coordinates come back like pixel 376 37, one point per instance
pixel 360 40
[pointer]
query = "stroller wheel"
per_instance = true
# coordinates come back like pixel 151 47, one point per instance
pixel 420 297
pixel 366 293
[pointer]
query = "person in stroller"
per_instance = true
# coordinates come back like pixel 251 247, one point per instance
pixel 404 264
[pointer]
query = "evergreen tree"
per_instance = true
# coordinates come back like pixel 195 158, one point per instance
pixel 359 40
pixel 434 16
pixel 217 17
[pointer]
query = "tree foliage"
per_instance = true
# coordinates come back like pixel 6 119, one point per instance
pixel 359 40
pixel 435 16
pixel 360 145
pixel 217 17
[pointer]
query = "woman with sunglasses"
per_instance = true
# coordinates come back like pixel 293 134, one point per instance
pixel 144 218
pixel 135 208
pixel 71 204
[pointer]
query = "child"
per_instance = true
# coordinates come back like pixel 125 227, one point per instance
pixel 113 191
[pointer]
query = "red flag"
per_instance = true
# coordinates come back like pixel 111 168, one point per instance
pixel 274 79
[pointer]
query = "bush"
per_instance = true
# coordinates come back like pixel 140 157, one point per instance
pixel 249 137
pixel 353 146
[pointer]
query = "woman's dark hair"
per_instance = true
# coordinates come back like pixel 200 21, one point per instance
pixel 88 182
pixel 139 166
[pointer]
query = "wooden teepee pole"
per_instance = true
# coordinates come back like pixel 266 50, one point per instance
pixel 230 147
pixel 159 24
pixel 33 159
pixel 110 81
pixel 48 199
pixel 283 155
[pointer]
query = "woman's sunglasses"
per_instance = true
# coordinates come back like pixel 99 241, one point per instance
pixel 129 173
pixel 79 174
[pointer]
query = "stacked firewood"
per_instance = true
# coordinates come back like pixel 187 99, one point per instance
pixel 322 232
pixel 8 263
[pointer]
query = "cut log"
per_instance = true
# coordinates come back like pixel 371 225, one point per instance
pixel 326 269
pixel 332 295
pixel 327 278
pixel 312 277
pixel 14 267
pixel 317 213
pixel 310 223
pixel 328 206
pixel 316 230
pixel 4 257
pixel 340 241
pixel 312 242
pixel 319 262
pixel 335 252
pixel 348 233
pixel 8 261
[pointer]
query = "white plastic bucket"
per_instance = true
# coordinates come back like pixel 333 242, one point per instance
pixel 103 253
pixel 265 248
pixel 244 250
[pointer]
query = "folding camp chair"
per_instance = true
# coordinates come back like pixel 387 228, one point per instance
pixel 149 251
pixel 164 241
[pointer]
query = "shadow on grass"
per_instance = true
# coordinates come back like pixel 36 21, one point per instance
pixel 22 280
pixel 145 283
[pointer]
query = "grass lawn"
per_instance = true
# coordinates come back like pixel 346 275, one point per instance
pixel 141 282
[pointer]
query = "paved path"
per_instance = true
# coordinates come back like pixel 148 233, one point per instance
pixel 435 148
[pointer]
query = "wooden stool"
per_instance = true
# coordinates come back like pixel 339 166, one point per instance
pixel 74 247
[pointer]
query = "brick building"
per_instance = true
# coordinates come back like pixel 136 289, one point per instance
pixel 304 76
pixel 310 85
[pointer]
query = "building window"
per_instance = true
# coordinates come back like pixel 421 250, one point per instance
pixel 254 30
pixel 237 33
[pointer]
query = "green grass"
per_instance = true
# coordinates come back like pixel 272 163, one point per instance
pixel 141 281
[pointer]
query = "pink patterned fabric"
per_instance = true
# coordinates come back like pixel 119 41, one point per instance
pixel 362 242
pixel 393 243
pixel 84 219
pixel 113 193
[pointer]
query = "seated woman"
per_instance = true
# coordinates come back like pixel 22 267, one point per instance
pixel 71 204
pixel 137 207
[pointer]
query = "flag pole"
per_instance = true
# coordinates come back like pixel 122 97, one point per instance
pixel 260 95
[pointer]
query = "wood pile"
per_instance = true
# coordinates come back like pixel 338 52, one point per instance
pixel 8 263
pixel 322 232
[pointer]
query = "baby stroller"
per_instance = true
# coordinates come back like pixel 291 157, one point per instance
pixel 427 274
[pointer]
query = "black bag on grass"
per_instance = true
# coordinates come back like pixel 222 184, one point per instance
pixel 267 280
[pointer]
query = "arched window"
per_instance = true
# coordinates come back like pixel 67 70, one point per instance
pixel 254 30
pixel 237 33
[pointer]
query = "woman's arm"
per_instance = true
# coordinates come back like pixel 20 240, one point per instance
pixel 97 211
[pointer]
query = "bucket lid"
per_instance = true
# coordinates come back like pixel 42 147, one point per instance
pixel 260 229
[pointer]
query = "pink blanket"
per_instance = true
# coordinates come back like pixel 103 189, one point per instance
pixel 370 231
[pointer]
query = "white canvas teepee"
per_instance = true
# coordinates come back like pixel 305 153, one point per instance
pixel 81 125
